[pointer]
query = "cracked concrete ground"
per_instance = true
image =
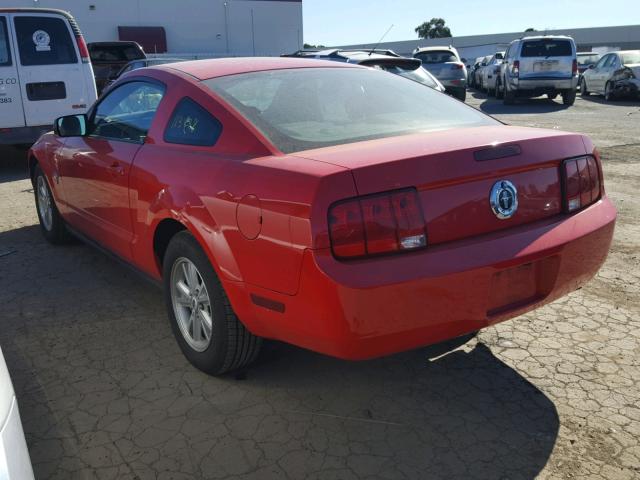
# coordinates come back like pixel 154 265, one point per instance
pixel 105 393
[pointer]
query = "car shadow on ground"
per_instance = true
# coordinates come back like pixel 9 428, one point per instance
pixel 618 102
pixel 13 164
pixel 493 106
pixel 100 381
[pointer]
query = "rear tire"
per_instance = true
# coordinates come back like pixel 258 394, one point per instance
pixel 509 97
pixel 608 92
pixel 52 225
pixel 461 94
pixel 569 97
pixel 207 329
pixel 583 88
pixel 499 91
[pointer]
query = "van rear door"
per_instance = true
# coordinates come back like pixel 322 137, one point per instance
pixel 11 113
pixel 50 68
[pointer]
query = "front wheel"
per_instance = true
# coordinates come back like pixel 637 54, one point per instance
pixel 583 88
pixel 207 329
pixel 569 97
pixel 51 222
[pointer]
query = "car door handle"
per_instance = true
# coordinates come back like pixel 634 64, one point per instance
pixel 116 168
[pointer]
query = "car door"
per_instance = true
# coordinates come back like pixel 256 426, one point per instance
pixel 94 169
pixel 11 112
pixel 612 67
pixel 599 73
pixel 50 68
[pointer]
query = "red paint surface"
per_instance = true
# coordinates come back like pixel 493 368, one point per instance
pixel 477 269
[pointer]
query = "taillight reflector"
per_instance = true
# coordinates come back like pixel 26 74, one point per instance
pixel 574 67
pixel 515 69
pixel 377 224
pixel 582 182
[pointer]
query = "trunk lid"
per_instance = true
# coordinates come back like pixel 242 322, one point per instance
pixel 454 172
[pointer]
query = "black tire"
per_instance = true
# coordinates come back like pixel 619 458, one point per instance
pixel 499 91
pixel 569 97
pixel 608 92
pixel 490 92
pixel 509 97
pixel 583 88
pixel 232 346
pixel 552 96
pixel 54 231
pixel 461 94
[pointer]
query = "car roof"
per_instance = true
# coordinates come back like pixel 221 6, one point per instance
pixel 120 43
pixel 430 49
pixel 220 67
pixel 549 37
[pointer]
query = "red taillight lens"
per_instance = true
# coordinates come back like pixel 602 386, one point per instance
pixel 581 182
pixel 82 47
pixel 574 68
pixel 515 69
pixel 377 224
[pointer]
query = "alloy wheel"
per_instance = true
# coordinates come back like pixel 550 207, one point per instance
pixel 191 304
pixel 45 207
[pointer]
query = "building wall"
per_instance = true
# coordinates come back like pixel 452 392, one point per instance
pixel 587 39
pixel 218 27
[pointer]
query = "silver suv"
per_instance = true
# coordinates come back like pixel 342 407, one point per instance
pixel 539 65
pixel 444 63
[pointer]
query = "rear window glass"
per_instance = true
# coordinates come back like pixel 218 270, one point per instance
pixel 305 108
pixel 436 56
pixel 5 57
pixel 547 48
pixel 191 124
pixel 44 41
pixel 115 53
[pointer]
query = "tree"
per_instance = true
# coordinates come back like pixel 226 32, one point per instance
pixel 308 46
pixel 530 29
pixel 434 28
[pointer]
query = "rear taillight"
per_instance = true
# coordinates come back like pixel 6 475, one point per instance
pixel 515 68
pixel 574 67
pixel 82 48
pixel 458 66
pixel 377 224
pixel 582 182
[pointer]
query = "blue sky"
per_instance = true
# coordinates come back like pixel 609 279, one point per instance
pixel 339 22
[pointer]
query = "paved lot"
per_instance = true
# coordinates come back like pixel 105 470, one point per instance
pixel 105 393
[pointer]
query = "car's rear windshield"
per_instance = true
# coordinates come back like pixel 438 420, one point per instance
pixel 115 53
pixel 547 47
pixel 44 41
pixel 630 58
pixel 436 56
pixel 419 74
pixel 588 59
pixel 305 108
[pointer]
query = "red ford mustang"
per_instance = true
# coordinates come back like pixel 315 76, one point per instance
pixel 342 209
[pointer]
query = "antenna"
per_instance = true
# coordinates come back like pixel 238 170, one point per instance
pixel 381 38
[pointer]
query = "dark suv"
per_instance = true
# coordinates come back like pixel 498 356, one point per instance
pixel 108 58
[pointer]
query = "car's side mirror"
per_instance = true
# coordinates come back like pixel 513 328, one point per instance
pixel 592 66
pixel 71 126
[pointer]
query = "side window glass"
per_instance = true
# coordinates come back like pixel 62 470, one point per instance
pixel 127 112
pixel 5 56
pixel 191 124
pixel 602 61
pixel 44 41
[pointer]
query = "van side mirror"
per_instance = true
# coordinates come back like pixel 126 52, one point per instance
pixel 71 126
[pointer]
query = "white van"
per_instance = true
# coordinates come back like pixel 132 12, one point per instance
pixel 45 72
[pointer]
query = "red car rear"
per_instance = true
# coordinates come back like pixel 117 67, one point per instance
pixel 343 209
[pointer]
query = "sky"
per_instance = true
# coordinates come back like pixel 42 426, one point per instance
pixel 344 22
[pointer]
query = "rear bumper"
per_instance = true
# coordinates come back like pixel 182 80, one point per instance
pixel 365 309
pixel 543 84
pixel 453 83
pixel 22 135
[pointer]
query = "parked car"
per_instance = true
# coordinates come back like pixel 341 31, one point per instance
pixel 478 73
pixel 143 63
pixel 615 75
pixel 386 60
pixel 324 204
pixel 445 64
pixel 471 80
pixel 14 456
pixel 585 60
pixel 491 72
pixel 109 58
pixel 44 72
pixel 539 65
